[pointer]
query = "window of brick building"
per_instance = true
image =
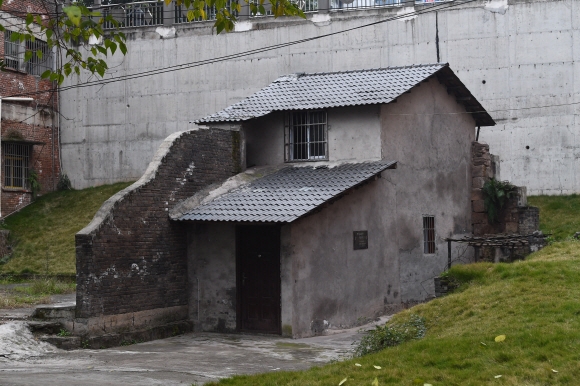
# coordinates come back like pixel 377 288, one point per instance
pixel 429 234
pixel 16 159
pixel 14 55
pixel 13 52
pixel 306 136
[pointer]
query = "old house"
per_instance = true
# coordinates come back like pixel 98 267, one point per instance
pixel 320 201
pixel 30 161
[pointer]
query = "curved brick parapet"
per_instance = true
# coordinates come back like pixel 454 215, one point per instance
pixel 131 258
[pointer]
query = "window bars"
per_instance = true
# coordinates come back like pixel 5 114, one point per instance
pixel 13 52
pixel 14 55
pixel 429 234
pixel 360 4
pixel 37 65
pixel 137 14
pixel 306 136
pixel 16 158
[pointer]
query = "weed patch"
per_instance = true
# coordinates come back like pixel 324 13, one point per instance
pixel 391 334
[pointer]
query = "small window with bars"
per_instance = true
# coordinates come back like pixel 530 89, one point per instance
pixel 306 136
pixel 16 157
pixel 428 235
pixel 14 55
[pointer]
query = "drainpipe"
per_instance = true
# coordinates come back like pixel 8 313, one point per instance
pixel 12 99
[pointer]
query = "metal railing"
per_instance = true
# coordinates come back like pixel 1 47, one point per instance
pixel 138 14
pixel 361 4
pixel 151 13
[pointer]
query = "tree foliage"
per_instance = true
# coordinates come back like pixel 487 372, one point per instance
pixel 71 29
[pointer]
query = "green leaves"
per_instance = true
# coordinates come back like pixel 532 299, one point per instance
pixel 74 13
pixel 88 37
pixel 495 194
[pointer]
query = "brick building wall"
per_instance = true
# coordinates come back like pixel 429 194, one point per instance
pixel 32 125
pixel 131 257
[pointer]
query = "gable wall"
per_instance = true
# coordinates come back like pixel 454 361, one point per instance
pixel 430 136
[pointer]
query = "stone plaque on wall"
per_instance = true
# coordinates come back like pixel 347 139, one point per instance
pixel 360 240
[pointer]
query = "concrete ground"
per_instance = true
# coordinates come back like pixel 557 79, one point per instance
pixel 194 358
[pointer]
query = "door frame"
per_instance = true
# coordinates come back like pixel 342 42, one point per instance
pixel 239 280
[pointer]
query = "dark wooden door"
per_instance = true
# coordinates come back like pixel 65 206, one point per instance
pixel 258 278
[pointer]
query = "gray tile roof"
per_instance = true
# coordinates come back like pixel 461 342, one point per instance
pixel 287 194
pixel 349 88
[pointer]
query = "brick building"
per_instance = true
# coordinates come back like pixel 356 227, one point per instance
pixel 29 128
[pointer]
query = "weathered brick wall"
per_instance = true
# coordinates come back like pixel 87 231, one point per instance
pixel 132 257
pixel 38 125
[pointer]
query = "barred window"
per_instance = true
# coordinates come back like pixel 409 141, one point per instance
pixel 13 52
pixel 37 65
pixel 306 136
pixel 428 234
pixel 14 55
pixel 16 157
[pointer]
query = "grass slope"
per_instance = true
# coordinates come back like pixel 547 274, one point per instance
pixel 534 303
pixel 44 231
pixel 560 215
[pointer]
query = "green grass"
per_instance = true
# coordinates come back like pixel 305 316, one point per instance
pixel 559 215
pixel 36 292
pixel 43 232
pixel 535 303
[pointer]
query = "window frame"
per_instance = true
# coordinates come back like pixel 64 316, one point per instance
pixel 35 66
pixel 309 121
pixel 429 235
pixel 16 151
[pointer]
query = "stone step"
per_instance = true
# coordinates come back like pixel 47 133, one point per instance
pixel 44 327
pixel 63 342
pixel 55 311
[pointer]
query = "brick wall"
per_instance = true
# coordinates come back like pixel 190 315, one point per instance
pixel 132 257
pixel 38 123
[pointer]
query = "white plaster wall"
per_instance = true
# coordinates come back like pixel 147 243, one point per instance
pixel 527 54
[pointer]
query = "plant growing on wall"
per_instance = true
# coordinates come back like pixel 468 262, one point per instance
pixel 34 183
pixel 495 194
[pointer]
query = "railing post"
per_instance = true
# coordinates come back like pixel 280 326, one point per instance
pixel 169 14
pixel 323 6
pixel 245 10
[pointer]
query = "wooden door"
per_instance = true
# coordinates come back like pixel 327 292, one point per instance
pixel 258 278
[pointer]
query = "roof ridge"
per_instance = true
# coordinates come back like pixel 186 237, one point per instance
pixel 301 74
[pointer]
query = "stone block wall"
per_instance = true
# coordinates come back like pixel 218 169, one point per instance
pixel 131 259
pixel 516 217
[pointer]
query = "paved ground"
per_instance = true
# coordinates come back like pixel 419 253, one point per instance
pixel 192 358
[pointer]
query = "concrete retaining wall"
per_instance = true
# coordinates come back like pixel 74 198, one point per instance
pixel 519 55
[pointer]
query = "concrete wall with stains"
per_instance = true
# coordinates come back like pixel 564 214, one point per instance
pixel 331 284
pixel 430 136
pixel 212 276
pixel 513 55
